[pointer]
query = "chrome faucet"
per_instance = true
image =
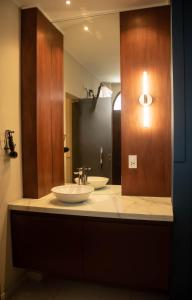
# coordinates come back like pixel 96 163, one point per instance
pixel 82 175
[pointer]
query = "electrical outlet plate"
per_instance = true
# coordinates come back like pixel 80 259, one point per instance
pixel 132 161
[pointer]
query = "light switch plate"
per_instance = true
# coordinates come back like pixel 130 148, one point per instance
pixel 132 161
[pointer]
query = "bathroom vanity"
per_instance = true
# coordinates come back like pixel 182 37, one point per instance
pixel 110 238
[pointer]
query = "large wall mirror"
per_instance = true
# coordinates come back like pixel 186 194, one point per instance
pixel 92 96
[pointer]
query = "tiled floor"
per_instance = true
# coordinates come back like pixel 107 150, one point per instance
pixel 57 289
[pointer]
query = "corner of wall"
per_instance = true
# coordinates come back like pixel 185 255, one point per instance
pixel 10 169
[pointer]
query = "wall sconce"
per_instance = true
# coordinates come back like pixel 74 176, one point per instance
pixel 145 100
pixel 9 144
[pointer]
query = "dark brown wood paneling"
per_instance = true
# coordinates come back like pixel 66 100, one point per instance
pixel 28 103
pixel 127 252
pixel 47 243
pixel 134 253
pixel 42 104
pixel 57 108
pixel 44 89
pixel 145 46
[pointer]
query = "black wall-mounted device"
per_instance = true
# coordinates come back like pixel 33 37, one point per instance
pixel 9 144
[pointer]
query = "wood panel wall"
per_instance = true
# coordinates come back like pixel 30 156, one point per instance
pixel 41 104
pixel 43 98
pixel 145 46
pixel 57 108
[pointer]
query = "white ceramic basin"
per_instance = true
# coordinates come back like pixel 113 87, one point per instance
pixel 72 193
pixel 96 181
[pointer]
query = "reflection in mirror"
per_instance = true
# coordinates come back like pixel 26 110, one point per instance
pixel 117 102
pixel 92 96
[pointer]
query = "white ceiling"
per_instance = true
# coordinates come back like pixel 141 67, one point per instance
pixel 57 9
pixel 98 49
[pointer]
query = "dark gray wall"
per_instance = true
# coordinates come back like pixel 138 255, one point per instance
pixel 92 129
pixel 116 157
pixel 182 186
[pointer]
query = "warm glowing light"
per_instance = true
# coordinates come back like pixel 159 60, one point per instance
pixel 146 116
pixel 86 28
pixel 145 100
pixel 68 2
pixel 145 83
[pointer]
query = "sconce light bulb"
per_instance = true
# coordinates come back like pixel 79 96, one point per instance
pixel 146 117
pixel 145 98
pixel 145 83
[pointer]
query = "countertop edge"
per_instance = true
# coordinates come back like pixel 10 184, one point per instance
pixel 97 214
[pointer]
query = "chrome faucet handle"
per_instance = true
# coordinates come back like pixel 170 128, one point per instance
pixel 82 174
pixel 76 173
pixel 79 173
pixel 85 170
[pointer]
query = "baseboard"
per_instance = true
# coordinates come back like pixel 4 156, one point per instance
pixel 8 293
pixel 35 276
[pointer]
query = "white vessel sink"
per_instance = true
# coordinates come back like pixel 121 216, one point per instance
pixel 72 193
pixel 96 181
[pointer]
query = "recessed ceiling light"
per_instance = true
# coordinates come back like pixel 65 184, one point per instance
pixel 68 2
pixel 86 28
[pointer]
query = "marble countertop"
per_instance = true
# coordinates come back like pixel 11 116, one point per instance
pixel 106 203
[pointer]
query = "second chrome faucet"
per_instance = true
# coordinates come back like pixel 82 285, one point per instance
pixel 82 175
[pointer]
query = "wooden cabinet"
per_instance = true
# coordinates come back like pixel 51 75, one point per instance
pixel 47 243
pixel 41 104
pixel 131 253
